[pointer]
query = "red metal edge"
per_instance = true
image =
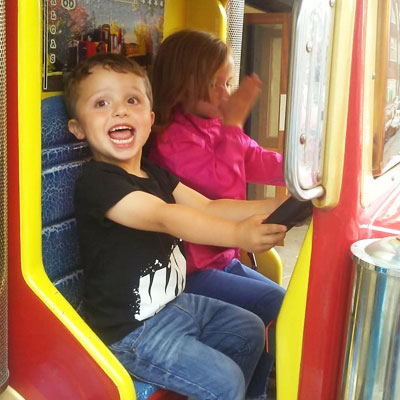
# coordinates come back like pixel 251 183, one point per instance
pixel 45 360
pixel 331 267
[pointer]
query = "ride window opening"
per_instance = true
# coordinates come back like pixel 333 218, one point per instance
pixel 386 139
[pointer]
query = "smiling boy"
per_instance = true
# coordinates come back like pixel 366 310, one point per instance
pixel 130 214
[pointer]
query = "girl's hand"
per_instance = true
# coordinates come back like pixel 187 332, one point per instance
pixel 237 107
pixel 254 236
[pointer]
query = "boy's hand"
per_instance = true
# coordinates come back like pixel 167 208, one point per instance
pixel 256 237
pixel 237 107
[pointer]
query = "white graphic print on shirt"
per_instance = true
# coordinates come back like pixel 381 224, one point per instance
pixel 158 288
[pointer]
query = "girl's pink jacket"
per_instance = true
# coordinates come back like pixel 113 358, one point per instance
pixel 217 161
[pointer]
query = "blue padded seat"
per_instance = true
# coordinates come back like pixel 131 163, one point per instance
pixel 62 160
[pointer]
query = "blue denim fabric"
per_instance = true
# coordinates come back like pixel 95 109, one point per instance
pixel 244 287
pixel 197 346
pixel 239 285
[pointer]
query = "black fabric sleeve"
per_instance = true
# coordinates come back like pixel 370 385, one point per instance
pixel 99 188
pixel 167 179
pixel 103 185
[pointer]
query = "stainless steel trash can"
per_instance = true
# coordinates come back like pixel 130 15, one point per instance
pixel 372 359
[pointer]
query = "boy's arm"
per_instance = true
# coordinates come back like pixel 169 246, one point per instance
pixel 235 210
pixel 140 210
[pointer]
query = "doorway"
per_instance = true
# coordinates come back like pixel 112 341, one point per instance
pixel 266 52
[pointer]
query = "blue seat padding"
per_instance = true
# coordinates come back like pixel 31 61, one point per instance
pixel 144 390
pixel 58 191
pixel 62 160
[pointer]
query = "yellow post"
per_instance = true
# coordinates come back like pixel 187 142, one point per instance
pixel 205 15
pixel 174 16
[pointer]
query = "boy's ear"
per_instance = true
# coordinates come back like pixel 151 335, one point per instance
pixel 75 128
pixel 153 116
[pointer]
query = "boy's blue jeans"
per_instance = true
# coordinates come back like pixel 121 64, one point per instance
pixel 240 285
pixel 197 346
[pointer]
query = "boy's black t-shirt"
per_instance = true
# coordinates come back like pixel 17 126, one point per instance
pixel 129 274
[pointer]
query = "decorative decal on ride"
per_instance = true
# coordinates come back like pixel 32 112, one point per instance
pixel 160 285
pixel 76 29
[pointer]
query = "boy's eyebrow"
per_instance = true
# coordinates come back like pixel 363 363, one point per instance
pixel 105 90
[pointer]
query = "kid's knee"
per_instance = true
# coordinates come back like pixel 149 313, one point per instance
pixel 269 304
pixel 252 332
pixel 257 334
pixel 231 383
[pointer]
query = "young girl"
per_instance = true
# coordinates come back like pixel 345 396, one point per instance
pixel 199 137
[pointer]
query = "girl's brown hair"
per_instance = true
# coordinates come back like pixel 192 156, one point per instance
pixel 183 70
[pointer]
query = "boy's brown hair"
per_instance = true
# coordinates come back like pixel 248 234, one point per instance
pixel 183 70
pixel 112 61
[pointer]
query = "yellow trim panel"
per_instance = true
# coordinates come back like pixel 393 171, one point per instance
pixel 338 103
pixel 204 15
pixel 11 394
pixel 29 120
pixel 290 325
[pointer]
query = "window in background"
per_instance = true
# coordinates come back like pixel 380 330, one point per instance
pixel 386 149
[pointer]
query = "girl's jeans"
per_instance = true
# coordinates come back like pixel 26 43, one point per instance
pixel 197 346
pixel 240 285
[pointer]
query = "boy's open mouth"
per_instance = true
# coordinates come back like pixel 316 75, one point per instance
pixel 122 134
